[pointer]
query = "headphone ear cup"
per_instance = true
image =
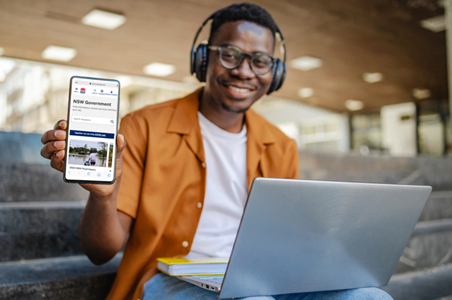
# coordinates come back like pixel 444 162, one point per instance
pixel 282 76
pixel 278 73
pixel 200 62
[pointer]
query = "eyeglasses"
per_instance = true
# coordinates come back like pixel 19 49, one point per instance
pixel 231 57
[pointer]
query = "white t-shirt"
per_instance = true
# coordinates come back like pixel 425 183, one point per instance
pixel 226 190
pixel 92 156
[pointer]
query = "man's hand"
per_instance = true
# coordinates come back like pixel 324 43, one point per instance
pixel 55 146
pixel 103 229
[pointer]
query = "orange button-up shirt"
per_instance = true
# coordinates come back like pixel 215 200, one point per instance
pixel 164 179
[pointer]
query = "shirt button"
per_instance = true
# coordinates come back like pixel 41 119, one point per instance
pixel 185 244
pixel 199 205
pixel 203 164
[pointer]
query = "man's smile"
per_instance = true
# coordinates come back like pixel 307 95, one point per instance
pixel 238 90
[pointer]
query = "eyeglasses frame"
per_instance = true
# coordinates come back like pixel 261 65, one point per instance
pixel 244 54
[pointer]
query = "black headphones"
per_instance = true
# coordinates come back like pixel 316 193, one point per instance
pixel 198 60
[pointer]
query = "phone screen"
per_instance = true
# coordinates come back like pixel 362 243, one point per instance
pixel 92 128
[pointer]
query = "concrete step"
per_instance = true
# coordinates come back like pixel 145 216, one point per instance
pixel 430 284
pixel 69 278
pixel 438 206
pixel 76 278
pixel 445 298
pixel 35 182
pixel 433 171
pixel 430 246
pixel 50 229
pixel 39 230
pixel 25 148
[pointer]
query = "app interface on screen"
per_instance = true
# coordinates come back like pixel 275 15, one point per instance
pixel 92 130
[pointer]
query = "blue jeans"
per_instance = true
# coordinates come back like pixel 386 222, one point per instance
pixel 162 286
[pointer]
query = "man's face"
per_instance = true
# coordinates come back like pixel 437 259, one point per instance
pixel 237 89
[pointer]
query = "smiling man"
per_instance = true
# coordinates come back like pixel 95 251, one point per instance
pixel 184 176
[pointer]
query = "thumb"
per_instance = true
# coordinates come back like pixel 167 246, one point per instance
pixel 121 145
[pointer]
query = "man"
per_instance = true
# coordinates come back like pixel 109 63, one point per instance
pixel 92 158
pixel 183 178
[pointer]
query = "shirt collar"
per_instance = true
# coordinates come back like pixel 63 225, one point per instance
pixel 185 118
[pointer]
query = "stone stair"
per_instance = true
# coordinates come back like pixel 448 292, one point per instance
pixel 424 271
pixel 40 252
pixel 433 171
pixel 41 257
pixel 72 277
pixel 33 230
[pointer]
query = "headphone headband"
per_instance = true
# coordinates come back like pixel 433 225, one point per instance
pixel 192 58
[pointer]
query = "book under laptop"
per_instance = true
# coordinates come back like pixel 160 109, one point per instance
pixel 300 236
pixel 176 266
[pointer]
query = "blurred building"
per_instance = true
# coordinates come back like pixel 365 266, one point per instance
pixel 34 96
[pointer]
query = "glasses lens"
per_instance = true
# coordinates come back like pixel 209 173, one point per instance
pixel 261 63
pixel 230 57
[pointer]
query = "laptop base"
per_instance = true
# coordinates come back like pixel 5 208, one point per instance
pixel 211 283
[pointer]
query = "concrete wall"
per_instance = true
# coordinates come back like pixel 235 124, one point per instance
pixel 19 147
pixel 448 13
pixel 311 127
pixel 398 126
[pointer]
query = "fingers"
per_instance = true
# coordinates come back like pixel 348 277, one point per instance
pixel 59 133
pixel 52 148
pixel 54 144
pixel 53 135
pixel 61 124
pixel 53 140
pixel 57 162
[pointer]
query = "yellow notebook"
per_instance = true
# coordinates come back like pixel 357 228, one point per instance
pixel 175 266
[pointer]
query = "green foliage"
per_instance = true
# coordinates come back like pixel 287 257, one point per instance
pixel 110 157
pixel 79 150
pixel 101 150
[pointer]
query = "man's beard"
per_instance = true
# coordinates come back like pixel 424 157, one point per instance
pixel 237 111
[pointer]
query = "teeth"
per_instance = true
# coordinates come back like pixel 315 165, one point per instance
pixel 240 90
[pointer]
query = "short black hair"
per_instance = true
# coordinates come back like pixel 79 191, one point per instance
pixel 242 12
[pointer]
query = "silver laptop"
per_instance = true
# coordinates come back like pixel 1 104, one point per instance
pixel 301 236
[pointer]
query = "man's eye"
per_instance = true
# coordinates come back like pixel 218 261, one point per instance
pixel 261 61
pixel 229 56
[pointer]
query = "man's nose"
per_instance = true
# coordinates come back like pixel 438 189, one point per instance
pixel 243 70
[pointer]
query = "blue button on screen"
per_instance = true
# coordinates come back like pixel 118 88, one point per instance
pixel 102 135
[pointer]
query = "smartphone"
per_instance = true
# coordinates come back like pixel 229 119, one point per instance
pixel 92 118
